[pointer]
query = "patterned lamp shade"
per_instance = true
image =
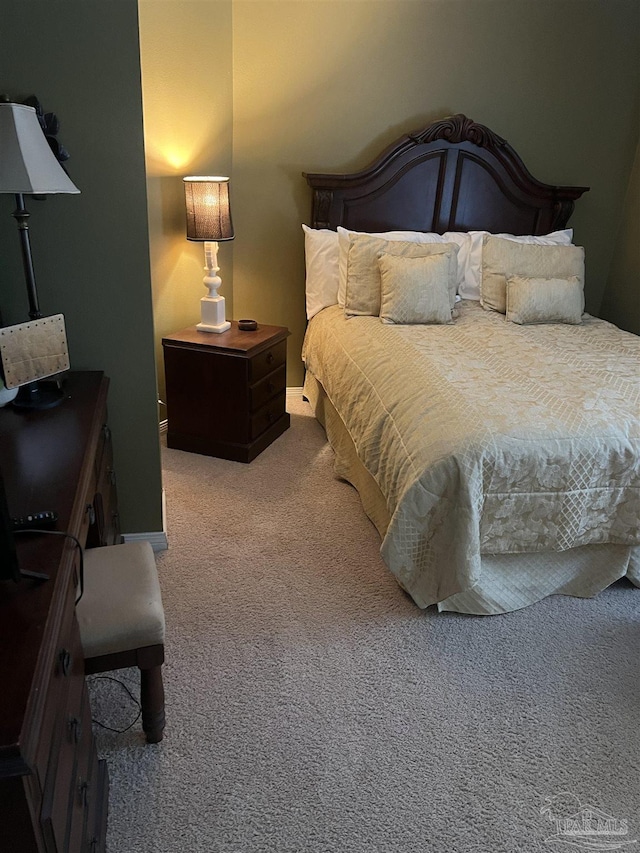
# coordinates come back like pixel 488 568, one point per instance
pixel 208 210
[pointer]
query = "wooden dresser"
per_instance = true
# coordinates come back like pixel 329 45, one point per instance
pixel 53 788
pixel 226 393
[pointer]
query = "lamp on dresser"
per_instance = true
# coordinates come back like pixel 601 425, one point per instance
pixel 209 222
pixel 28 166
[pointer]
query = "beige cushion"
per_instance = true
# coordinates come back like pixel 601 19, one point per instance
pixel 121 607
pixel 503 258
pixel 362 295
pixel 415 290
pixel 345 234
pixel 544 300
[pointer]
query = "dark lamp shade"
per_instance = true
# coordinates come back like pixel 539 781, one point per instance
pixel 208 210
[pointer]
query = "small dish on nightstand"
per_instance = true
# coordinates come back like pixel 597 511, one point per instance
pixel 247 325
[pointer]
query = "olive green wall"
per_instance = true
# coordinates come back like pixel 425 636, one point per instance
pixel 188 109
pixel 324 85
pixel 91 251
pixel 621 302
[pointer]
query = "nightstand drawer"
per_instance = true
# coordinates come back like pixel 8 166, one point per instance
pixel 268 387
pixel 268 415
pixel 267 361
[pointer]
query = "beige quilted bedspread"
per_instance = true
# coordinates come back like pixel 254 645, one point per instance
pixel 486 437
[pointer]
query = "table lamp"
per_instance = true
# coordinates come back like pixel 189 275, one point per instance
pixel 28 167
pixel 209 222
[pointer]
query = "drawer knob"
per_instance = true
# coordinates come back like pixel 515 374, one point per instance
pixel 65 661
pixel 269 357
pixel 75 729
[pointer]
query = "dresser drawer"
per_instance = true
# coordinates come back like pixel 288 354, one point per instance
pixel 62 671
pixel 82 789
pixel 104 444
pixel 67 735
pixel 268 415
pixel 89 515
pixel 267 361
pixel 268 387
pixel 104 529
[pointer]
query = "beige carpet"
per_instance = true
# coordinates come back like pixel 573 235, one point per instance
pixel 313 708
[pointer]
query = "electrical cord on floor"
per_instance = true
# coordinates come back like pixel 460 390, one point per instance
pixel 92 678
pixel 68 536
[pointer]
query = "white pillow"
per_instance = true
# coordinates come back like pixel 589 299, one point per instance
pixel 470 254
pixel 343 250
pixel 321 263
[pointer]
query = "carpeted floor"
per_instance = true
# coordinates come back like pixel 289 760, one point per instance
pixel 313 708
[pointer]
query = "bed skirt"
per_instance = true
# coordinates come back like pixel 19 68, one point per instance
pixel 507 581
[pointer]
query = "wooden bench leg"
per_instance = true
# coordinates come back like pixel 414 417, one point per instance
pixel 152 702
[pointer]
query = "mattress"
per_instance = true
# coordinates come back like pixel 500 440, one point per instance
pixel 489 446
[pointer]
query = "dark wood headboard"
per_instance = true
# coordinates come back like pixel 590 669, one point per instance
pixel 455 175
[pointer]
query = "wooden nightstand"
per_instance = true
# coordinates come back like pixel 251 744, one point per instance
pixel 226 392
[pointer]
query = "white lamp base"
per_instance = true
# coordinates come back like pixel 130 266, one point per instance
pixel 212 315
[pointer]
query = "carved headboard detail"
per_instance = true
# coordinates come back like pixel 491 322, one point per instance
pixel 454 175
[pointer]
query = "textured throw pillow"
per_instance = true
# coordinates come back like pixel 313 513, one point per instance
pixel 362 294
pixel 503 258
pixel 470 254
pixel 544 300
pixel 343 249
pixel 415 290
pixel 321 264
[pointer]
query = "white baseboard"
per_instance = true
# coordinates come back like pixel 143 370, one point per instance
pixel 156 538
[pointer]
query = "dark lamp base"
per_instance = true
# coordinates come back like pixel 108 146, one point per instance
pixel 39 395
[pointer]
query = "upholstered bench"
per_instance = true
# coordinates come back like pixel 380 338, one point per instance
pixel 122 622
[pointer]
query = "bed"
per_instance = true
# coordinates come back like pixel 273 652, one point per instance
pixel 489 425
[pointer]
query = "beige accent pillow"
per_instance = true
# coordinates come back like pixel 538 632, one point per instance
pixel 405 236
pixel 415 290
pixel 503 258
pixel 544 300
pixel 362 293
